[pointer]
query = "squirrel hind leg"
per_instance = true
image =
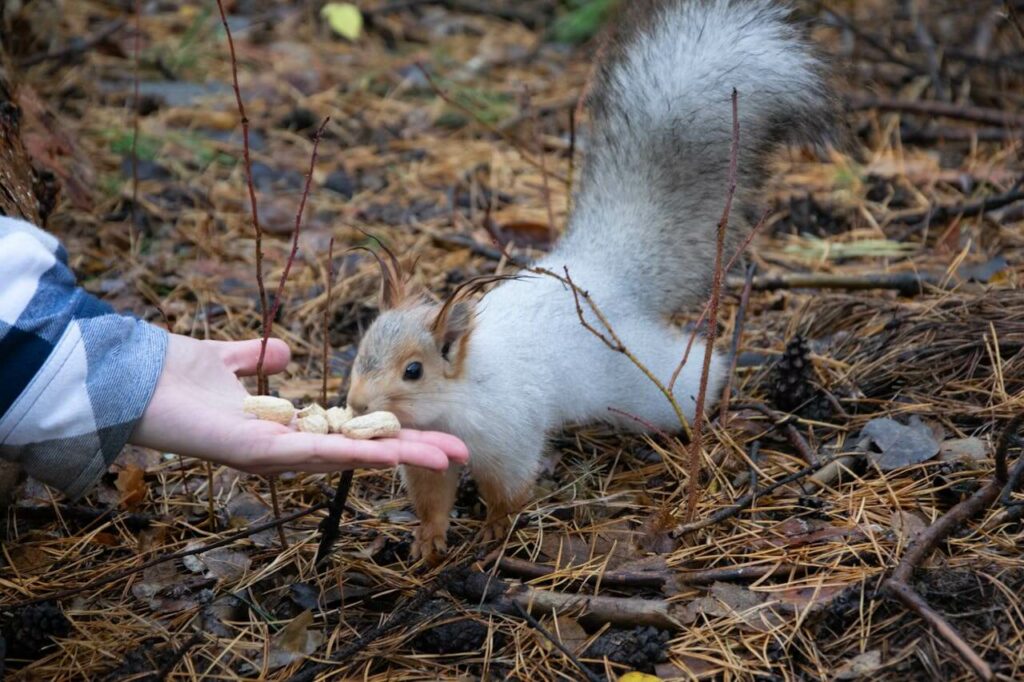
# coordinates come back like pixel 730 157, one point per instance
pixel 506 490
pixel 433 497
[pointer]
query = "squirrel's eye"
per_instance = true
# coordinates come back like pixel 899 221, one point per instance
pixel 413 371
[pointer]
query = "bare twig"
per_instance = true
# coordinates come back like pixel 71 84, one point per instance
pixel 170 665
pixel 784 423
pixel 737 334
pixel 692 484
pixel 261 379
pixel 331 524
pixel 327 323
pixel 898 585
pixel 133 217
pixel 747 500
pixel 963 112
pixel 906 283
pixel 536 625
pixel 75 48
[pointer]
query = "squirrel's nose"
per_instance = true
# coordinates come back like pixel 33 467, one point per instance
pixel 358 408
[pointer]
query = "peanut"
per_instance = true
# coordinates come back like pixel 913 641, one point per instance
pixel 269 408
pixel 313 423
pixel 311 409
pixel 337 416
pixel 373 425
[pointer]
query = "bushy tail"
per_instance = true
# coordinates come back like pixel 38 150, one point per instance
pixel 654 180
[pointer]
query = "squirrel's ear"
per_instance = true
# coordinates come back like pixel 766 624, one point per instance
pixel 453 324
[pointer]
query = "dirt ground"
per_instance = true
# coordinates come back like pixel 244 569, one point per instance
pixel 885 328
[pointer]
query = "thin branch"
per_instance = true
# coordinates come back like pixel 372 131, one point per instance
pixel 268 327
pixel 898 585
pixel 261 379
pixel 536 625
pixel 76 47
pixel 747 500
pixel 327 323
pixel 133 216
pixel 783 422
pixel 737 334
pixel 716 292
pixel 330 526
pixel 964 112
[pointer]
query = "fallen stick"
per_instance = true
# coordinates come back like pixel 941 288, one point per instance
pixel 963 112
pixel 898 585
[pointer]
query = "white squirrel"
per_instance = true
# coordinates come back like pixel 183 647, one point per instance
pixel 502 374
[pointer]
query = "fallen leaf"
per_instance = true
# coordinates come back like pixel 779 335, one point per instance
pixel 222 563
pixel 689 667
pixel 571 633
pixel 963 450
pixel 294 641
pixel 796 532
pixel 900 445
pixel 860 666
pixel 907 525
pixel 131 484
pixel 344 18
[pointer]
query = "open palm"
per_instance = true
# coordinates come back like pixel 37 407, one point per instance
pixel 196 410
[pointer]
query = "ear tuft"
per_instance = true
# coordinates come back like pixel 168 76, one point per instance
pixel 392 279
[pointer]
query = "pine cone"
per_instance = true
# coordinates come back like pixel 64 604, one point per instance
pixel 639 649
pixel 791 386
pixel 33 627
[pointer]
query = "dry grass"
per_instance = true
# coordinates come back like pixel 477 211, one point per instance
pixel 420 172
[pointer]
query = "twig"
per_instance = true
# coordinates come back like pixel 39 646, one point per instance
pixel 135 132
pixel 536 625
pixel 269 325
pixel 330 526
pixel 630 611
pixel 327 323
pixel 737 334
pixel 906 283
pixel 529 569
pixel 173 556
pixel 76 47
pixel 784 423
pixel 261 379
pixel 964 112
pixel 1012 478
pixel 962 209
pixel 613 341
pixel 692 485
pixel 747 500
pixel 898 585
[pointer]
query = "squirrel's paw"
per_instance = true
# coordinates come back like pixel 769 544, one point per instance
pixel 430 543
pixel 496 528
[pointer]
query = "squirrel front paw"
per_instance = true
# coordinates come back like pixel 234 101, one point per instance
pixel 430 542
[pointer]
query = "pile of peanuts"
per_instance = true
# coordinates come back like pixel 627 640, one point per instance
pixel 315 419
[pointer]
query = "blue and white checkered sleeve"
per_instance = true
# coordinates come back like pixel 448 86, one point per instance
pixel 75 376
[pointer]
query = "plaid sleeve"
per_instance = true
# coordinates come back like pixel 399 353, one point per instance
pixel 75 376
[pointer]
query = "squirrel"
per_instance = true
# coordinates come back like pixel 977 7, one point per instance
pixel 505 372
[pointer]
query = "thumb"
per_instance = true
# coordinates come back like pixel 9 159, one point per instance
pixel 243 356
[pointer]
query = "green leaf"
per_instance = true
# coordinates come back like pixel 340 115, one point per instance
pixel 344 18
pixel 580 24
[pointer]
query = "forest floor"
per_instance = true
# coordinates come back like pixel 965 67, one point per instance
pixel 884 330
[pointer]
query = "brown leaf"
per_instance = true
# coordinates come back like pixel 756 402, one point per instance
pixel 294 642
pixel 907 525
pixel 222 563
pixel 571 633
pixel 861 666
pixel 969 451
pixel 131 484
pixel 796 532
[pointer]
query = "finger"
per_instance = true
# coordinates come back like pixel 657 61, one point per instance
pixel 452 446
pixel 297 451
pixel 243 356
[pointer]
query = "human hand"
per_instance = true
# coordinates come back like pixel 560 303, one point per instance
pixel 196 410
